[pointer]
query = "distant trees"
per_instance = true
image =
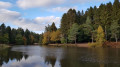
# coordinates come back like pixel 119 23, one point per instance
pixel 17 36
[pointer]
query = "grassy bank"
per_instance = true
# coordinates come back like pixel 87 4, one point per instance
pixel 4 46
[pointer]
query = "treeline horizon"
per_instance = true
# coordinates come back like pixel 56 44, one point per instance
pixel 18 36
pixel 79 27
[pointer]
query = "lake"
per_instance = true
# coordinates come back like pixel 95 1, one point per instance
pixel 37 56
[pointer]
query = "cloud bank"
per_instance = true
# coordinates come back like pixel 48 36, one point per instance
pixel 25 4
pixel 5 5
pixel 38 3
pixel 36 24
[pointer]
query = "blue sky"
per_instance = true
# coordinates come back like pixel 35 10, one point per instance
pixel 36 14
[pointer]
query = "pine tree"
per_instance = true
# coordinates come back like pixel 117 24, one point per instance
pixel 8 30
pixel 53 27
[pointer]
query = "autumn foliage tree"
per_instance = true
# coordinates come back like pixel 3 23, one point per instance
pixel 46 38
pixel 100 38
pixel 55 36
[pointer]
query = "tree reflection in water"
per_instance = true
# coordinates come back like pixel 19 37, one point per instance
pixel 6 55
pixel 59 57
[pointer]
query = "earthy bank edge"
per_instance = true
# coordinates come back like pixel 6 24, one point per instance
pixel 70 45
pixel 107 44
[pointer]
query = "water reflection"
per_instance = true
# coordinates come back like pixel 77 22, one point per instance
pixel 6 55
pixel 36 56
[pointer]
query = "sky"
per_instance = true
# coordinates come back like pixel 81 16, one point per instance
pixel 36 14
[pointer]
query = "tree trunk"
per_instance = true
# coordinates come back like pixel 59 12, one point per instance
pixel 66 40
pixel 105 33
pixel 92 38
pixel 116 38
pixel 75 40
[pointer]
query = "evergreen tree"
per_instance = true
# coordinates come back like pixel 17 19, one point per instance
pixel 8 30
pixel 3 29
pixel 53 27
pixel 19 39
pixel 73 32
pixel 114 30
pixel 89 28
pixel 27 35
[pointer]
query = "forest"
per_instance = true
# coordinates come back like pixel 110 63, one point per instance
pixel 18 36
pixel 95 24
pixel 82 26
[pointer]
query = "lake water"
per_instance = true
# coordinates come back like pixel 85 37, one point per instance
pixel 36 56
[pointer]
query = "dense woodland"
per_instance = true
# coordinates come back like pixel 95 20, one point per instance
pixel 95 24
pixel 18 36
pixel 82 26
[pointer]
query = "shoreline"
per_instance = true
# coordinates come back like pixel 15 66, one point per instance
pixel 85 45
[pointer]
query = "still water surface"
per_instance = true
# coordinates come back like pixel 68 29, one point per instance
pixel 36 56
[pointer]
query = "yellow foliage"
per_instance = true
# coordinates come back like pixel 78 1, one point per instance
pixel 55 36
pixel 100 36
pixel 100 39
pixel 46 38
pixel 92 44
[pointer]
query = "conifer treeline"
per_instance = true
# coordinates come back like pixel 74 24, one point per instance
pixel 17 36
pixel 81 26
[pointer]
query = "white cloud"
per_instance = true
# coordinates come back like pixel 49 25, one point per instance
pixel 62 9
pixel 31 61
pixel 86 1
pixel 38 3
pixel 48 3
pixel 8 16
pixel 5 5
pixel 37 24
pixel 47 20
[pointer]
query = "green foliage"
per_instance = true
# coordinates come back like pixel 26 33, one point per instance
pixel 53 27
pixel 11 36
pixel 63 40
pixel 40 39
pixel 73 32
pixel 6 39
pixel 19 39
pixel 89 28
pixel 8 30
pixel 115 30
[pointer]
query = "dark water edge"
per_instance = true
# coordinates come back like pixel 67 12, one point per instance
pixel 37 56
